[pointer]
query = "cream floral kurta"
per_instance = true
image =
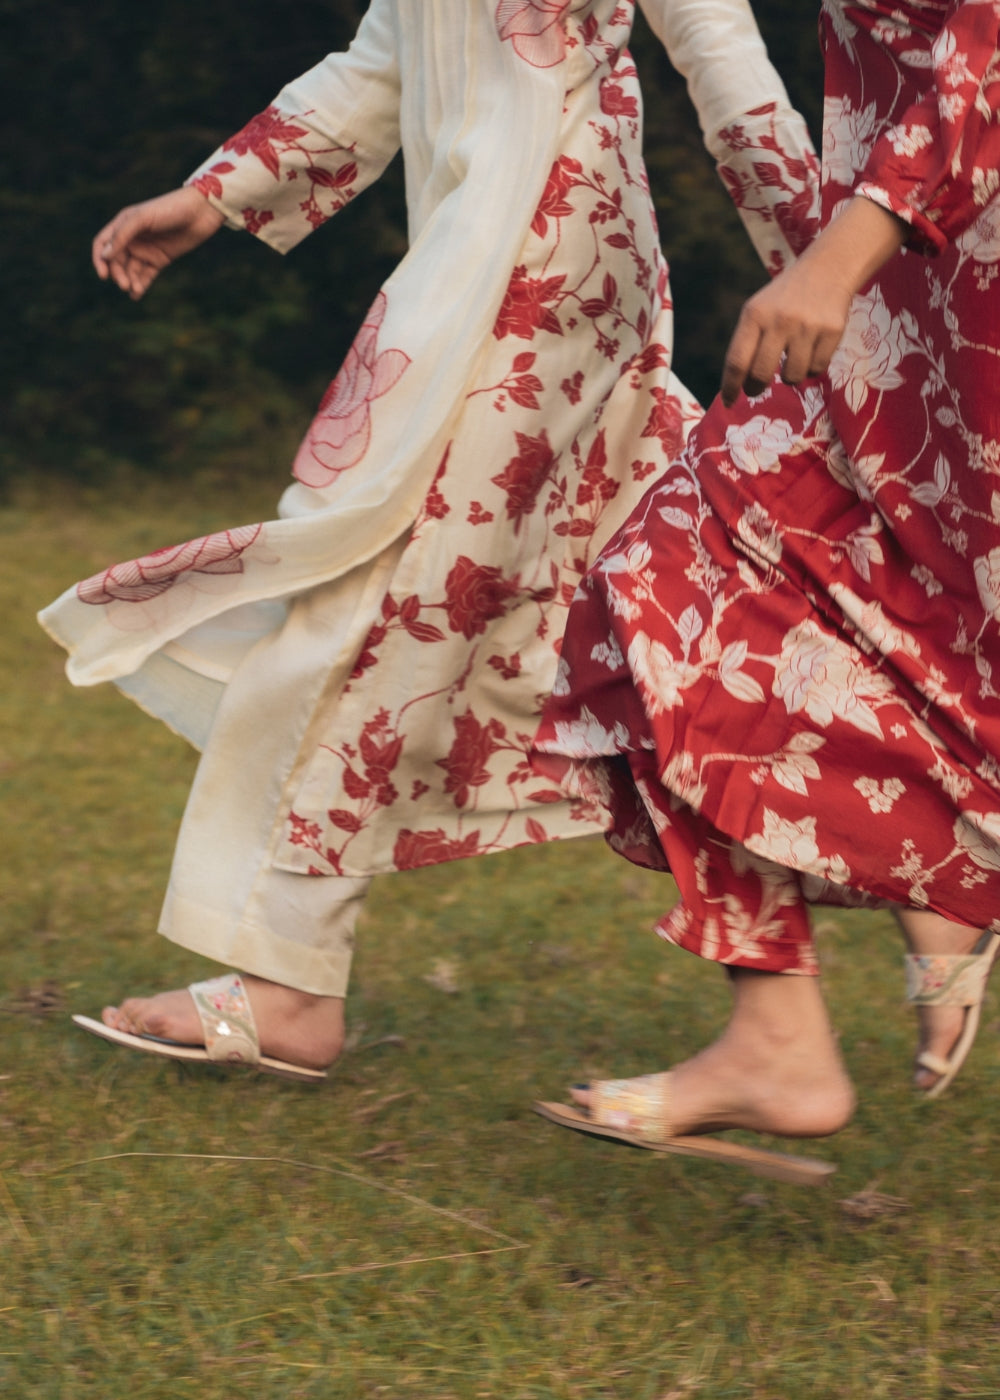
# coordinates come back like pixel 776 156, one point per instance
pixel 791 653
pixel 365 672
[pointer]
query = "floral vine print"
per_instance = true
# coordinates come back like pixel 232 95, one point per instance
pixel 289 151
pixel 431 665
pixel 511 540
pixel 139 580
pixel 535 29
pixel 783 679
pixel 341 430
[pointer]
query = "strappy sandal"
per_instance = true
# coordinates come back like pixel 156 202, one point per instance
pixel 230 1032
pixel 951 979
pixel 636 1112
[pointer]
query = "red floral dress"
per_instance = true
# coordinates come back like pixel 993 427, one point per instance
pixel 782 676
pixel 365 673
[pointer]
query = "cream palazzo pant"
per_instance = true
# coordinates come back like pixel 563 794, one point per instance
pixel 225 899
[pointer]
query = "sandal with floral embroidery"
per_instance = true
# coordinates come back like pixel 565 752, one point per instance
pixel 951 979
pixel 636 1112
pixel 230 1032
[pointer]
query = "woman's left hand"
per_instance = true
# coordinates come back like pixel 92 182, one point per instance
pixel 795 323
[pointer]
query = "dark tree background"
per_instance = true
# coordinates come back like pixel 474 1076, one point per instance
pixel 222 364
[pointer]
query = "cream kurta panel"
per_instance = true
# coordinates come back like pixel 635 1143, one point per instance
pixel 508 393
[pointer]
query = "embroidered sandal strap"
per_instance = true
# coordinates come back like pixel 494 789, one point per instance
pixel 227 1020
pixel 947 979
pixel 634 1106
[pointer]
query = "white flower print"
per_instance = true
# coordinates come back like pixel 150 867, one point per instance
pixel 987 572
pixel 660 675
pixel 925 576
pixel 870 620
pixel 587 735
pixel 881 797
pixel 820 674
pixel 953 107
pixel 608 654
pixel 871 351
pixel 632 561
pixel 759 533
pixel 978 835
pixel 681 777
pixel 839 465
pixel 849 133
pixel 561 685
pixel 985 184
pixel 910 140
pixel 759 444
pixel 955 784
pixel 788 843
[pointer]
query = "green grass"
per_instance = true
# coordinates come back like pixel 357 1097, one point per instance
pixel 411 1229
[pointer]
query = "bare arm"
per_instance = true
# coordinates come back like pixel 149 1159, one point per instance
pixel 142 239
pixel 799 318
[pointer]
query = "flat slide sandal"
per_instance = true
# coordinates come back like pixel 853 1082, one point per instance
pixel 230 1033
pixel 632 1112
pixel 951 979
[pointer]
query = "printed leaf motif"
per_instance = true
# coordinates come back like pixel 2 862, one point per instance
pixel 736 681
pixel 690 626
pixel 424 631
pixel 793 773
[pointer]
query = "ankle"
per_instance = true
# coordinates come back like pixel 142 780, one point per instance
pixel 929 933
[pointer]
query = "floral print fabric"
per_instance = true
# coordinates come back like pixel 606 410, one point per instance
pixel 495 420
pixel 782 675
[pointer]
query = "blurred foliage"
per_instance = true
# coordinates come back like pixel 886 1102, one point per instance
pixel 111 102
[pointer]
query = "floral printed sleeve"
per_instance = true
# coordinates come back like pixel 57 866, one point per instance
pixel 761 145
pixel 325 138
pixel 938 164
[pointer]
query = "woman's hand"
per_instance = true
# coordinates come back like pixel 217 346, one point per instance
pixel 796 322
pixel 143 239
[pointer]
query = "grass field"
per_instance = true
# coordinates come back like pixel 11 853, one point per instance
pixel 411 1229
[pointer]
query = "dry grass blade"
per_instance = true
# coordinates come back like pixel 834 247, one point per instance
pixel 341 1171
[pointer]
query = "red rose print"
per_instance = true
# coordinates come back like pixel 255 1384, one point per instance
pixel 435 505
pixel 665 421
pixel 595 484
pixel 380 750
pixel 255 219
pixel 535 29
pixel 476 593
pixel 265 136
pixel 797 221
pixel 508 666
pixel 653 356
pixel 210 184
pixel 526 306
pixel 553 203
pixel 614 101
pixel 341 430
pixel 571 387
pixel 414 849
pixel 525 475
pixel 466 761
pixel 303 832
pixel 138 580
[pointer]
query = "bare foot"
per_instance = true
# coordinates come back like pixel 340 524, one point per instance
pixel 294 1026
pixel 940 1026
pixel 775 1069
